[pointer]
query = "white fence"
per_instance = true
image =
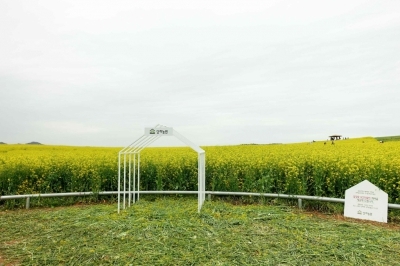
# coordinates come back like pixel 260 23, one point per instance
pixel 300 198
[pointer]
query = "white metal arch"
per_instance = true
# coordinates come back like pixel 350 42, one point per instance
pixel 129 157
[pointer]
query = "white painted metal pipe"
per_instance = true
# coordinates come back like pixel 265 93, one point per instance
pixel 221 193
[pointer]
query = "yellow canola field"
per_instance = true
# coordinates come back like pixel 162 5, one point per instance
pixel 303 168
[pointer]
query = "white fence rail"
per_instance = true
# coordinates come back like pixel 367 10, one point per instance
pixel 209 193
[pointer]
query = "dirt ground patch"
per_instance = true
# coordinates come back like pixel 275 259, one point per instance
pixel 340 217
pixel 3 262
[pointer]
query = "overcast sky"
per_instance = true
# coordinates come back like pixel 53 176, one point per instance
pixel 96 73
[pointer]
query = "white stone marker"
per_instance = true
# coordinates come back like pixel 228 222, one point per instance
pixel 366 201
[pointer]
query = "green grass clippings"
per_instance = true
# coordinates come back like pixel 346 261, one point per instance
pixel 169 231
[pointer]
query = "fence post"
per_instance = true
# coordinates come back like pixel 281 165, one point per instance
pixel 300 203
pixel 27 203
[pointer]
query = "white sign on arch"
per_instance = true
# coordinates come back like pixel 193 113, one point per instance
pixel 129 165
pixel 162 131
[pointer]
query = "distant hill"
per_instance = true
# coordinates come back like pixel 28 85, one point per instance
pixel 34 143
pixel 2 143
pixel 388 138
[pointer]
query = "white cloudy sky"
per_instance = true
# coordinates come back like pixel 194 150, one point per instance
pixel 97 73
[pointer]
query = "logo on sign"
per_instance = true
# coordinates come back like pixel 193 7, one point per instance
pixel 159 131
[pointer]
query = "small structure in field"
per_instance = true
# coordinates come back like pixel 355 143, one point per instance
pixel 335 137
pixel 129 165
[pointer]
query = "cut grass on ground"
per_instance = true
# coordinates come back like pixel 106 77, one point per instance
pixel 169 231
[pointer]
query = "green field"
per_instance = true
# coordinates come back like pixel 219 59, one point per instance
pixel 169 231
pixel 389 138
